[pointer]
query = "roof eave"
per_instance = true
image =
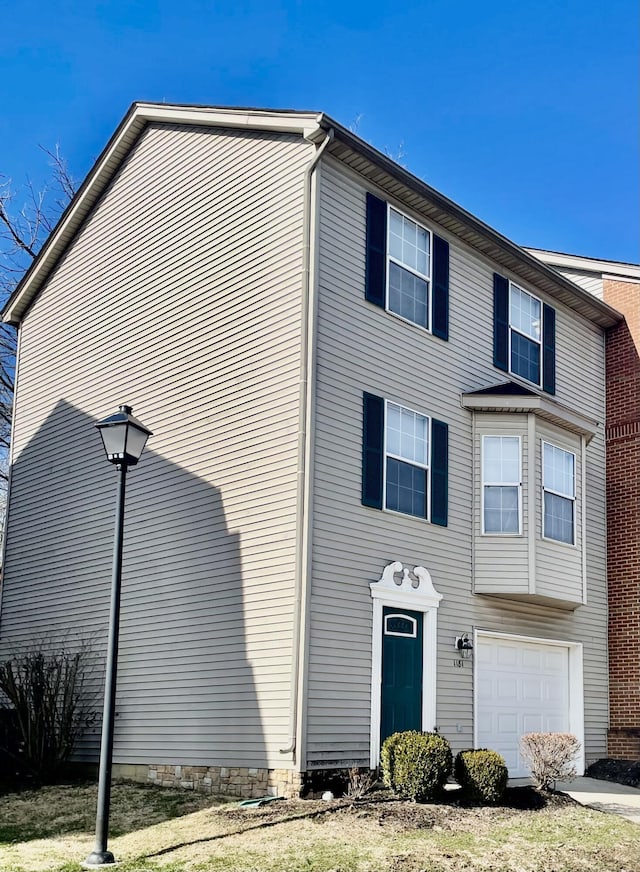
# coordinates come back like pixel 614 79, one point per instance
pixel 543 407
pixel 139 115
pixel 370 163
pixel 383 172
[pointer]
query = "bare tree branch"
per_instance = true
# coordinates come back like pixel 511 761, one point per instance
pixel 64 180
pixel 23 230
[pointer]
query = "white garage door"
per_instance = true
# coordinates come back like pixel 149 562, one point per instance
pixel 522 687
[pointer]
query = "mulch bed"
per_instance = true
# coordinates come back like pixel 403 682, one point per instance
pixel 390 812
pixel 621 771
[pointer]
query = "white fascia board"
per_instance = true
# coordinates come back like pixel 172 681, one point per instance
pixel 541 406
pixel 603 268
pixel 306 125
pixel 303 124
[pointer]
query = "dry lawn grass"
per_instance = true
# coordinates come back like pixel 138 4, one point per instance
pixel 158 830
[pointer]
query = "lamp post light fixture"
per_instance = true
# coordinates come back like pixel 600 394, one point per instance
pixel 124 438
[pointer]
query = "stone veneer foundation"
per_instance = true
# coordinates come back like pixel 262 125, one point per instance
pixel 241 781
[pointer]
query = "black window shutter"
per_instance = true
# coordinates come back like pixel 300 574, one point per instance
pixel 549 349
pixel 376 264
pixel 500 322
pixel 372 450
pixel 440 325
pixel 439 472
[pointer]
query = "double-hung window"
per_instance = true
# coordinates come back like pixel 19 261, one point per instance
pixel 406 461
pixel 409 269
pixel 559 489
pixel 405 458
pixel 525 334
pixel 501 484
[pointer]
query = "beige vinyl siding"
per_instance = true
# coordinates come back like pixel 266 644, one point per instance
pixel 558 565
pixel 362 348
pixel 588 280
pixel 180 296
pixel 501 563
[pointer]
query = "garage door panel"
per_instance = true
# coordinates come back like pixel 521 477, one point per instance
pixel 555 661
pixel 506 690
pixel 556 691
pixel 507 656
pixel 532 690
pixel 506 724
pixel 532 724
pixel 485 687
pixel 555 725
pixel 522 687
pixel 530 660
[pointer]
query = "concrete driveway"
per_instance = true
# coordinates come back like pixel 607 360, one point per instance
pixel 604 796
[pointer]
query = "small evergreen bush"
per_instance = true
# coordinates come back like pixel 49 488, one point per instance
pixel 482 774
pixel 416 765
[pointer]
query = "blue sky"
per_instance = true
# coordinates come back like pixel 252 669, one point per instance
pixel 525 113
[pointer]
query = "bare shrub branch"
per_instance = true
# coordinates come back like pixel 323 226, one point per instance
pixel 43 689
pixel 361 782
pixel 551 757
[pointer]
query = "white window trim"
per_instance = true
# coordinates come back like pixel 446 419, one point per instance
pixel 576 683
pixel 414 624
pixel 484 483
pixel 539 341
pixel 545 489
pixel 416 595
pixel 426 467
pixel 426 278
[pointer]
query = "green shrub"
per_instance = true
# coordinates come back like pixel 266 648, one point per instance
pixel 482 774
pixel 416 765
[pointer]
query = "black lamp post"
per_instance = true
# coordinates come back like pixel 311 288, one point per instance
pixel 124 439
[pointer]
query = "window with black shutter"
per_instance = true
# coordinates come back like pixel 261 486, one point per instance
pixel 407 268
pixel 524 334
pixel 404 460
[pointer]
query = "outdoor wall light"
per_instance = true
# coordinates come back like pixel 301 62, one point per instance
pixel 464 645
pixel 124 438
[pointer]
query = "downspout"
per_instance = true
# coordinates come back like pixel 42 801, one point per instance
pixel 304 414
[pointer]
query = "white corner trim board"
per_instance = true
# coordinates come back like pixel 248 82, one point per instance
pixel 414 590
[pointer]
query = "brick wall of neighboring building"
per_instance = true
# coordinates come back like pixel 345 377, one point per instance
pixel 623 519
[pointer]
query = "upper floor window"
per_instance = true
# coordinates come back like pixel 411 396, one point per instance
pixel 501 484
pixel 524 334
pixel 559 487
pixel 405 459
pixel 407 268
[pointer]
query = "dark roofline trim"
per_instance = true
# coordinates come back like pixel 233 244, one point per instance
pixel 140 114
pixel 504 389
pixel 608 316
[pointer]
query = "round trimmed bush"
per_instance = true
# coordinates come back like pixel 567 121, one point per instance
pixel 482 774
pixel 416 765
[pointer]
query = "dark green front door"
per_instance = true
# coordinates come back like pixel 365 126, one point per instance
pixel 401 702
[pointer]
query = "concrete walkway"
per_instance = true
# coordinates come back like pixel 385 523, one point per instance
pixel 604 796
